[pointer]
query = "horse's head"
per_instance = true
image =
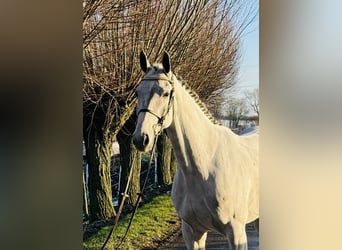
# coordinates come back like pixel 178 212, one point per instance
pixel 155 102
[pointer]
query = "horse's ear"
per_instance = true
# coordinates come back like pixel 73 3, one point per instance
pixel 144 64
pixel 166 62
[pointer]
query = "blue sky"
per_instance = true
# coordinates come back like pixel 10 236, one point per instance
pixel 248 78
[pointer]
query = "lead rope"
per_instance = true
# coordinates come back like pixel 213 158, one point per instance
pixel 124 194
pixel 158 128
pixel 157 133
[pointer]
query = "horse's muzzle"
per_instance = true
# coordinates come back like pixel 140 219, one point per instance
pixel 141 141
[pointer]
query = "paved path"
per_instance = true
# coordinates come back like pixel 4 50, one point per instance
pixel 216 241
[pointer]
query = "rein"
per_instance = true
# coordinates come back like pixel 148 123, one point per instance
pixel 157 132
pixel 136 205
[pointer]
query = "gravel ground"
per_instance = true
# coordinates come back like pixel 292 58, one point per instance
pixel 215 241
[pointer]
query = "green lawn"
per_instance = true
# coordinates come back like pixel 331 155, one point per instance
pixel 153 221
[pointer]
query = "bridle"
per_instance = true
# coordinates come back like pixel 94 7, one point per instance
pixel 146 110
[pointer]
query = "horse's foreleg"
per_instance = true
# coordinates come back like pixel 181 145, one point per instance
pixel 239 237
pixel 193 239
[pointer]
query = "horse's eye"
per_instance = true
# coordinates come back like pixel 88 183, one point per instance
pixel 166 94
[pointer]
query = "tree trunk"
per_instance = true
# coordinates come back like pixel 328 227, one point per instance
pixel 164 148
pixel 129 157
pixel 99 183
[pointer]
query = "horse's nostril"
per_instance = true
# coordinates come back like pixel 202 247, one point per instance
pixel 145 140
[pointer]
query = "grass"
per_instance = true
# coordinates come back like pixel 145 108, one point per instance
pixel 152 222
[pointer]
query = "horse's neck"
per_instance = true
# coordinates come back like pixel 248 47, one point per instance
pixel 191 132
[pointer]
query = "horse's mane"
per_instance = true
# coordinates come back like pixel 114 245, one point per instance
pixel 199 102
pixel 158 69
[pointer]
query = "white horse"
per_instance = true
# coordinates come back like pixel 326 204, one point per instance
pixel 217 179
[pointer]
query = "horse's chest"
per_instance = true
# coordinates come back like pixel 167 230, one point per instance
pixel 196 212
pixel 196 207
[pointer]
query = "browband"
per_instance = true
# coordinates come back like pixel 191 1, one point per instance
pixel 164 78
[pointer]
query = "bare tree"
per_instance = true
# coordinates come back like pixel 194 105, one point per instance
pixel 235 109
pixel 112 37
pixel 252 98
